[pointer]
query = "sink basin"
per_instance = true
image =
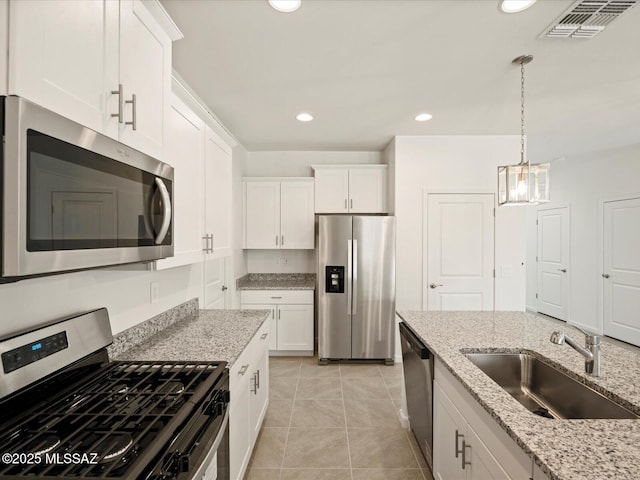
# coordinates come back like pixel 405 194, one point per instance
pixel 544 390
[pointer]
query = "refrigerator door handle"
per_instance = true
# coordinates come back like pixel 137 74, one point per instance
pixel 349 276
pixel 354 294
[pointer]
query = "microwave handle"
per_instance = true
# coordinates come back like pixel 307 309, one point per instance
pixel 166 215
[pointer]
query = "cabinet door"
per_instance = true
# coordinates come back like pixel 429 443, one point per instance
pixel 448 433
pixel 64 57
pixel 331 190
pixel 367 190
pixel 184 152
pixel 482 465
pixel 262 215
pixel 259 386
pixel 295 327
pixel 297 219
pixel 239 419
pixel 145 71
pixel 217 167
pixel 273 324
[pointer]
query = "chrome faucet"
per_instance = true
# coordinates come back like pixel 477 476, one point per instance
pixel 591 350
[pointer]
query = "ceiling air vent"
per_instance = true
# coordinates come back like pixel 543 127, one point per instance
pixel 587 18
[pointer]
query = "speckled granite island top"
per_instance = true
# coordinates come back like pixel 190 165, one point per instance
pixel 207 335
pixel 564 449
pixel 277 281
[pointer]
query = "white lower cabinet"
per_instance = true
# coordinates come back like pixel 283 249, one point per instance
pixel 467 443
pixel 249 386
pixel 291 318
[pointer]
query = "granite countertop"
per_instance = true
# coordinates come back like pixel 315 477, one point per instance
pixel 207 335
pixel 564 449
pixel 277 281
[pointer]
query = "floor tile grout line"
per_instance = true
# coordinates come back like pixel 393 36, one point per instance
pixel 415 455
pixel 346 427
pixel 286 441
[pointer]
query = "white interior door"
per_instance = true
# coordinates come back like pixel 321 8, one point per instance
pixel 553 261
pixel 215 287
pixel 621 274
pixel 460 252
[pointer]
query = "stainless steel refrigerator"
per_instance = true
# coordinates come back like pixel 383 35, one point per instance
pixel 356 287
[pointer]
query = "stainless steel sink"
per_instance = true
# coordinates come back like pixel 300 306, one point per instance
pixel 544 390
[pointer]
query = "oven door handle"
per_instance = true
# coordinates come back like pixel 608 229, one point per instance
pixel 202 468
pixel 166 214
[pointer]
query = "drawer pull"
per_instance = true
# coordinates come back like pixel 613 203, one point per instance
pixel 254 389
pixel 464 457
pixel 458 437
pixel 244 369
pixel 258 379
pixel 276 297
pixel 263 336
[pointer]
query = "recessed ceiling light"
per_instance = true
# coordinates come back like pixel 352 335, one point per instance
pixel 515 6
pixel 304 117
pixel 286 6
pixel 423 117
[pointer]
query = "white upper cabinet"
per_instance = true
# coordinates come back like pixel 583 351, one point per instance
pixel 145 73
pixel 218 173
pixel 296 215
pixel 64 57
pixel 184 151
pixel 350 188
pixel 104 64
pixel 278 213
pixel 4 20
pixel 261 214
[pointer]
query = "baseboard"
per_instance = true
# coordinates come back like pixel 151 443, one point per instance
pixel 404 419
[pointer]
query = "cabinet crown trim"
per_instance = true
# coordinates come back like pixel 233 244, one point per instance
pixel 277 179
pixel 164 19
pixel 376 166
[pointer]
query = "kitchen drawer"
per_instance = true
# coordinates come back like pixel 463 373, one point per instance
pixel 291 297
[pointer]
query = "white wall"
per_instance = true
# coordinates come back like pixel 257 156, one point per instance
pixel 294 164
pixel 583 182
pixel 451 164
pixel 239 256
pixel 389 158
pixel 298 164
pixel 126 294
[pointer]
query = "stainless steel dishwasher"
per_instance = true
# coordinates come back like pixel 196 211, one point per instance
pixel 417 363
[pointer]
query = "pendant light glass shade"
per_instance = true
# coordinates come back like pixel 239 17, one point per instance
pixel 523 184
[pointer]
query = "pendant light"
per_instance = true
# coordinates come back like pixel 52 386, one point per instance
pixel 524 183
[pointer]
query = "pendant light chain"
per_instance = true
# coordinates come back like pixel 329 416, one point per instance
pixel 522 112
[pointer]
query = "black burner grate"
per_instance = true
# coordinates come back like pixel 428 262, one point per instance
pixel 122 420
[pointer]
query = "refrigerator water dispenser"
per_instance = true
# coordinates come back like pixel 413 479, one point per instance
pixel 334 279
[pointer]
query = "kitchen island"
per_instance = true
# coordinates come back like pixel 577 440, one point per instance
pixel 561 449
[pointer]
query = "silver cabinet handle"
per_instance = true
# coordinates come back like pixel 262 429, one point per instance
pixel 354 301
pixel 258 378
pixel 120 93
pixel 563 270
pixel 435 285
pixel 349 277
pixel 351 203
pixel 282 241
pixel 211 239
pixel 276 240
pixel 205 249
pixel 263 336
pixel 276 297
pixel 134 104
pixel 166 214
pixel 458 436
pixel 254 389
pixel 605 275
pixel 244 369
pixel 345 203
pixel 279 314
pixel 464 454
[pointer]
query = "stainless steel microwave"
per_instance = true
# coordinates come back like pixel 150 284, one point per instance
pixel 74 199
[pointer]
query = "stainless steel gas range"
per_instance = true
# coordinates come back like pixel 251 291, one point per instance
pixel 67 412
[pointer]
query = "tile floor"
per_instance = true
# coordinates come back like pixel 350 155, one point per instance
pixel 334 422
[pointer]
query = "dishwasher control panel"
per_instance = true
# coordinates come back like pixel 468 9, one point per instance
pixel 334 276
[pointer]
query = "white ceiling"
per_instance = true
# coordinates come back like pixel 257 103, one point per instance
pixel 365 68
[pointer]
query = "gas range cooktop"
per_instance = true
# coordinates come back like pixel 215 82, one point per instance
pixel 96 419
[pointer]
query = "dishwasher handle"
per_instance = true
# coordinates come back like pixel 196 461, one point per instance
pixel 415 342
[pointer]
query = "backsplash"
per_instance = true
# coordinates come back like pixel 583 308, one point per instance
pixel 141 332
pixel 281 261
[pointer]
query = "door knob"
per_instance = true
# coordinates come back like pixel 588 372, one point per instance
pixel 605 275
pixel 225 288
pixel 435 285
pixel 563 270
